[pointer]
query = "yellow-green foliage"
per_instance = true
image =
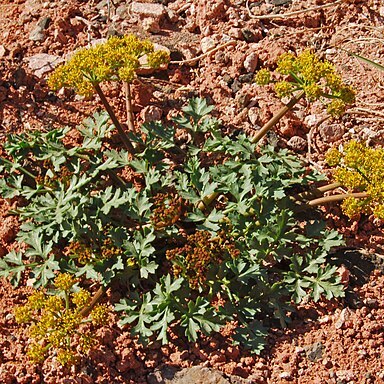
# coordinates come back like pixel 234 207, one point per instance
pixel 360 169
pixel 116 59
pixel 56 321
pixel 317 78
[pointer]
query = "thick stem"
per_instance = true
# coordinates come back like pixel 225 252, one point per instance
pixel 333 198
pixel 316 192
pixel 275 119
pixel 128 106
pixel 95 299
pixel 207 201
pixel 329 187
pixel 124 138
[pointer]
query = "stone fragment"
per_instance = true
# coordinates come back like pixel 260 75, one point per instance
pixel 285 375
pixel 327 363
pixel 8 229
pixel 250 62
pixel 163 375
pixel 3 51
pixel 59 36
pixel 345 315
pixel 345 375
pixel 207 43
pixel 331 132
pixel 3 93
pixel 142 10
pixel 3 250
pixel 199 375
pixel 235 33
pixel 151 113
pixel 43 22
pixel 42 63
pixel 122 11
pixel 150 24
pixel 128 361
pixel 37 34
pixel 297 143
pixel 314 351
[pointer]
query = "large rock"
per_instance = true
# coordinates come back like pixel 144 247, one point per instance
pixel 194 375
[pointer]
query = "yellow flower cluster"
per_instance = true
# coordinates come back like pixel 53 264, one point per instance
pixel 55 321
pixel 263 77
pixel 116 59
pixel 64 282
pixel 360 169
pixel 316 77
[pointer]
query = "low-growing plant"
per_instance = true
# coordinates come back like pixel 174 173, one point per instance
pixel 180 263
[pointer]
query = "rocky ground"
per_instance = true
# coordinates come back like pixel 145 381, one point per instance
pixel 216 46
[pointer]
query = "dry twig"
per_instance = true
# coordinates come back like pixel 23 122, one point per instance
pixel 290 14
pixel 193 59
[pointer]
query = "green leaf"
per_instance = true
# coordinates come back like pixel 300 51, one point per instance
pixel 367 61
pixel 12 267
pixel 251 336
pixel 137 311
pixel 45 272
pixel 200 316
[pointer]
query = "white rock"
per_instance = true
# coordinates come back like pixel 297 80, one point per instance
pixel 297 143
pixel 151 113
pixel 207 43
pixel 150 24
pixel 285 375
pixel 253 115
pixel 250 62
pixel 142 10
pixel 42 63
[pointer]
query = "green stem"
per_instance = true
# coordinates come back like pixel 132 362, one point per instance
pixel 275 119
pixel 66 298
pixel 362 174
pixel 18 167
pixel 124 138
pixel 207 200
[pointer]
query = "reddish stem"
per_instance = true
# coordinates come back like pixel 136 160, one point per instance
pixel 124 138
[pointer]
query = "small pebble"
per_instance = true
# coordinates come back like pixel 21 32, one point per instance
pixel 285 375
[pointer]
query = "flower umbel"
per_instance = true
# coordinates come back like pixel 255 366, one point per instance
pixel 116 59
pixel 56 323
pixel 317 78
pixel 360 169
